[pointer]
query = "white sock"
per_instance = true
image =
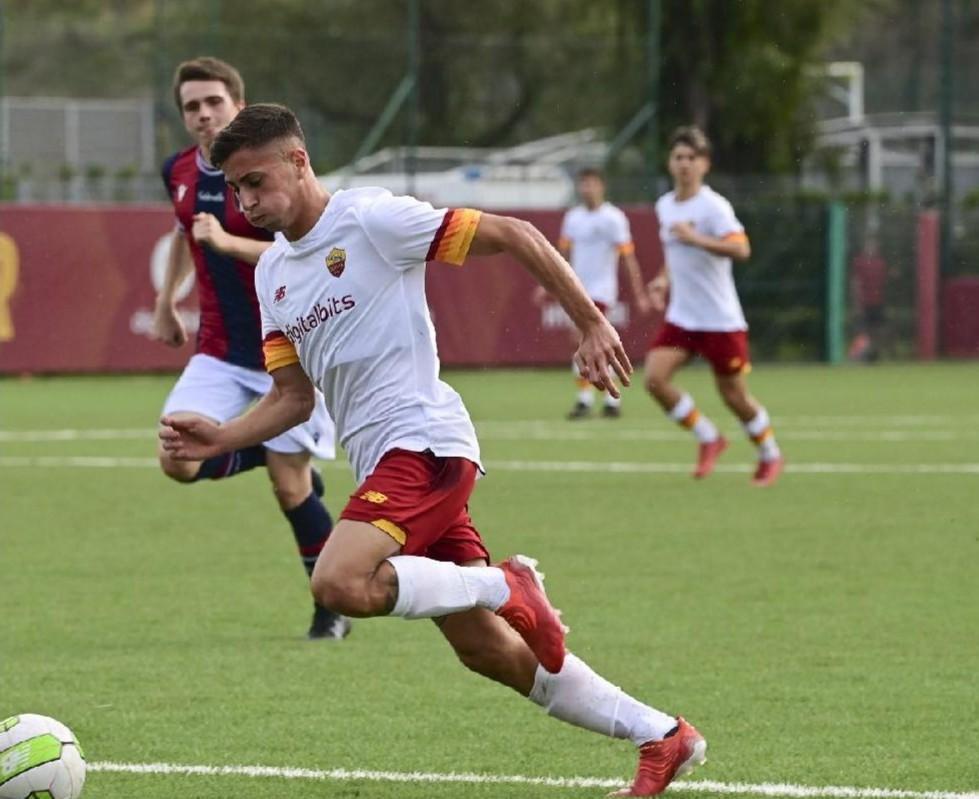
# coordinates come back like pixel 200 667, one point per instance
pixel 685 413
pixel 760 431
pixel 581 697
pixel 429 588
pixel 612 402
pixel 586 394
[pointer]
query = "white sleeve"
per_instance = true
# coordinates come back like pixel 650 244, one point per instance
pixel 621 233
pixel 565 234
pixel 408 232
pixel 722 221
pixel 268 326
pixel 277 350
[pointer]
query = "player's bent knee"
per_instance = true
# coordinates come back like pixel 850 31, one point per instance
pixel 180 471
pixel 291 495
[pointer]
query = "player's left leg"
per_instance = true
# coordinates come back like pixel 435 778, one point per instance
pixel 585 399
pixel 577 695
pixel 292 483
pixel 757 424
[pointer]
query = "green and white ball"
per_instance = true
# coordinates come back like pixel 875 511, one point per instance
pixel 39 759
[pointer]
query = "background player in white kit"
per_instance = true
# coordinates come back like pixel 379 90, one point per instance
pixel 701 236
pixel 594 237
pixel 342 293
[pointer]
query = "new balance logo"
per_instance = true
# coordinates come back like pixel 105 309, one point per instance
pixel 280 294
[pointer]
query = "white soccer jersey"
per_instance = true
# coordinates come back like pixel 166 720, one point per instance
pixel 348 301
pixel 702 292
pixel 596 239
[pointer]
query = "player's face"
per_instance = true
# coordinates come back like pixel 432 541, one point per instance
pixel 591 190
pixel 266 183
pixel 686 166
pixel 206 108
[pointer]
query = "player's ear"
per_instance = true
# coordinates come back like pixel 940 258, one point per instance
pixel 299 158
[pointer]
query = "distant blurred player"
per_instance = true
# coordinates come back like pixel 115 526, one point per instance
pixel 343 306
pixel 226 374
pixel 701 236
pixel 869 289
pixel 595 235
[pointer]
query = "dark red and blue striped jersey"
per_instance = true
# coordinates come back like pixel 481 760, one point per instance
pixel 230 325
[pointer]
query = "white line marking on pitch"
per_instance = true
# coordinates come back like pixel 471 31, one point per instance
pixel 540 431
pixel 697 786
pixel 593 467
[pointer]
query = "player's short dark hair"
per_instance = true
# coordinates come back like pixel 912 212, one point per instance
pixel 591 172
pixel 693 137
pixel 255 126
pixel 208 68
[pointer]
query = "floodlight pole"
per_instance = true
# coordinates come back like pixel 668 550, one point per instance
pixel 648 112
pixel 407 89
pixel 3 111
pixel 946 100
pixel 653 26
pixel 414 67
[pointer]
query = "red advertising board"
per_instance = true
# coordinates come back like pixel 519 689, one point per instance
pixel 77 286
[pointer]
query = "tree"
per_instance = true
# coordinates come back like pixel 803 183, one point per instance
pixel 492 73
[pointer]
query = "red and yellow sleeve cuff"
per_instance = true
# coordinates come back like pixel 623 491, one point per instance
pixel 278 351
pixel 626 249
pixel 454 236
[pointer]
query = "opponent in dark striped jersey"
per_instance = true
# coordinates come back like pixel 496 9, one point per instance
pixel 226 374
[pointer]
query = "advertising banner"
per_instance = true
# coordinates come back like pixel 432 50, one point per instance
pixel 77 286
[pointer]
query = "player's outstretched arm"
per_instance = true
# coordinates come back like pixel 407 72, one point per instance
pixel 167 326
pixel 290 402
pixel 635 279
pixel 600 352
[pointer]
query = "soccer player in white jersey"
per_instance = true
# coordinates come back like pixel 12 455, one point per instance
pixel 342 294
pixel 595 236
pixel 701 237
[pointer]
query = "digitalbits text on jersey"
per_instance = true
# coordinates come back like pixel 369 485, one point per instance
pixel 319 314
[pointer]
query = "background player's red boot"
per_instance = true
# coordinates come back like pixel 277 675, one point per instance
pixel 708 455
pixel 661 761
pixel 530 613
pixel 768 471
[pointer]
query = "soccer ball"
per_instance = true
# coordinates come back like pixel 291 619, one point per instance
pixel 39 759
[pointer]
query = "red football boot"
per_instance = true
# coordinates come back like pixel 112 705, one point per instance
pixel 661 761
pixel 708 455
pixel 768 471
pixel 530 613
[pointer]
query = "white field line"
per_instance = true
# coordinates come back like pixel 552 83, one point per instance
pixel 696 786
pixel 591 467
pixel 544 431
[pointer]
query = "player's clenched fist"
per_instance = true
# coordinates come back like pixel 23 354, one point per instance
pixel 207 230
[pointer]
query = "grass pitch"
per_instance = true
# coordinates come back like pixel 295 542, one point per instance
pixel 822 632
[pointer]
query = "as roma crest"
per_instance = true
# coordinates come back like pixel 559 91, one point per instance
pixel 336 261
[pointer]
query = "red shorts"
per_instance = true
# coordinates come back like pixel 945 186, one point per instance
pixel 727 352
pixel 421 501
